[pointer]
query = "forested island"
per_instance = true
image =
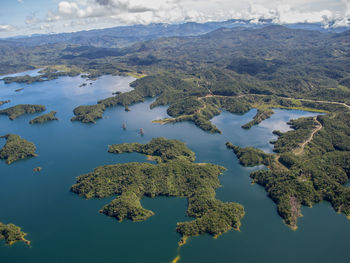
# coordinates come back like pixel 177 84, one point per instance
pixel 21 109
pixel 175 174
pixel 12 234
pixel 311 164
pixel 88 113
pixel 2 102
pixel 16 148
pixel 47 74
pixel 44 118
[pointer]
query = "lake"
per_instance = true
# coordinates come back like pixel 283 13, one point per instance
pixel 63 227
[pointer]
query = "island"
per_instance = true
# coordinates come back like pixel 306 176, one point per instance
pixel 311 164
pixel 175 174
pixel 12 234
pixel 16 148
pixel 37 169
pixel 88 113
pixel 46 74
pixel 21 109
pixel 44 118
pixel 2 102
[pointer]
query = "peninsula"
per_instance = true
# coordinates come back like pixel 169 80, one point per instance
pixel 310 164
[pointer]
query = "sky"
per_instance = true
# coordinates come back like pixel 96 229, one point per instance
pixel 27 17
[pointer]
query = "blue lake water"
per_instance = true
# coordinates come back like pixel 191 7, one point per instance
pixel 66 228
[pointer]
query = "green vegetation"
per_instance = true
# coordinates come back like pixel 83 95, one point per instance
pixel 250 156
pixel 265 68
pixel 262 68
pixel 21 109
pixel 197 78
pixel 89 113
pixel 12 234
pixel 175 174
pixel 161 149
pixel 261 115
pixel 319 174
pixel 291 140
pixel 49 73
pixel 16 148
pixel 44 118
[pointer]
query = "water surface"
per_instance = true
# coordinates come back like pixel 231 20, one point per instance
pixel 66 228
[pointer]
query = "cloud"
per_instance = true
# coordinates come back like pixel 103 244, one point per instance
pixel 32 19
pixel 342 20
pixel 97 8
pixel 7 28
pixel 124 11
pixel 20 1
pixel 170 11
pixel 281 14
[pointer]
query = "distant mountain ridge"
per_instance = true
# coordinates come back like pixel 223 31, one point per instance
pixel 122 36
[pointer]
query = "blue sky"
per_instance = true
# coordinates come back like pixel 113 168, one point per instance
pixel 25 17
pixel 14 12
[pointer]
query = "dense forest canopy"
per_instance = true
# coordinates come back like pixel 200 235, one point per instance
pixel 12 234
pixel 175 174
pixel 318 172
pixel 16 148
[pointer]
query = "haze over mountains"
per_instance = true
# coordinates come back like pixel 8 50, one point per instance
pixel 123 36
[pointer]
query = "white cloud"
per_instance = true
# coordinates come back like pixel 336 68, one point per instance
pixel 169 11
pixel 281 14
pixel 343 20
pixel 75 15
pixel 6 28
pixel 124 11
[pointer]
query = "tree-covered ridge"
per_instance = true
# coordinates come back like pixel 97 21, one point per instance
pixel 145 87
pixel 160 149
pixel 175 174
pixel 88 113
pixel 291 140
pixel 12 234
pixel 261 68
pixel 188 101
pixel 319 173
pixel 262 114
pixel 21 109
pixel 47 74
pixel 44 118
pixel 16 148
pixel 251 156
pixel 269 60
